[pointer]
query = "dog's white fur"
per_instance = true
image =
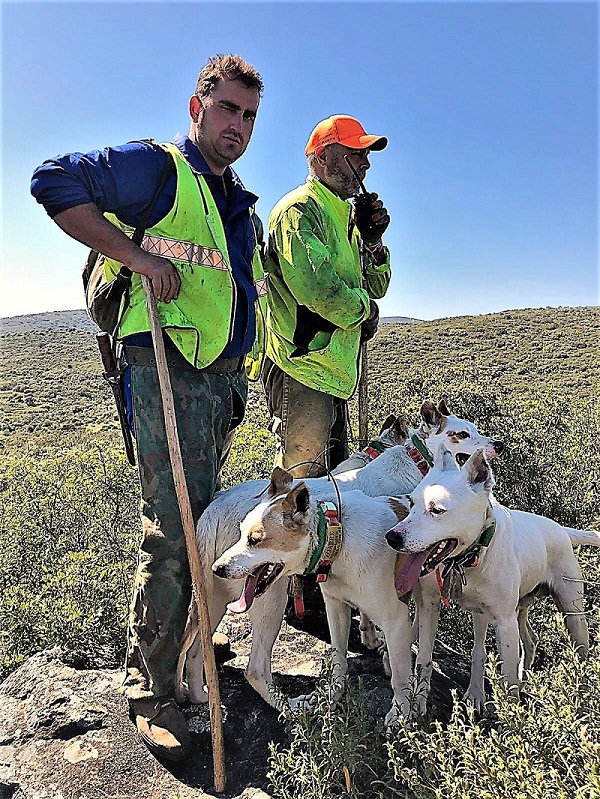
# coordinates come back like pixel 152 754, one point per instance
pixel 391 474
pixel 283 531
pixel 527 554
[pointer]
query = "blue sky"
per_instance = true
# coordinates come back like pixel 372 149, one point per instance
pixel 490 176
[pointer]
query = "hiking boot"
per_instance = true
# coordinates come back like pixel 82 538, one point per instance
pixel 222 648
pixel 162 726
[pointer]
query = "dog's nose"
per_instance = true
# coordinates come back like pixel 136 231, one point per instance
pixel 394 538
pixel 498 446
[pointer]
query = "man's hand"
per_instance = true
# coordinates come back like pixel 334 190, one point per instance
pixel 371 218
pixel 369 327
pixel 166 281
pixel 85 223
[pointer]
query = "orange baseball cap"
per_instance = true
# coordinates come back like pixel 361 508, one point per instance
pixel 343 130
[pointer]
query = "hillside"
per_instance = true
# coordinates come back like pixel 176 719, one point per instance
pixel 69 530
pixel 78 320
pixel 50 374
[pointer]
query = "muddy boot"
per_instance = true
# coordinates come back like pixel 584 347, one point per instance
pixel 162 726
pixel 222 648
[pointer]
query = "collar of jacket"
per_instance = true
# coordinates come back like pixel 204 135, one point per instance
pixel 195 159
pixel 335 205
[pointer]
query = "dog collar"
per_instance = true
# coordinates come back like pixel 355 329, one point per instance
pixel 374 449
pixel 329 543
pixel 419 454
pixel 447 584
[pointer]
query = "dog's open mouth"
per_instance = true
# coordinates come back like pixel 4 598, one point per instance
pixel 256 583
pixel 419 564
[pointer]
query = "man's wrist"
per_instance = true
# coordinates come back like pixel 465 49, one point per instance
pixel 376 250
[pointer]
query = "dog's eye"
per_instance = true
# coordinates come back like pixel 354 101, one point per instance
pixel 462 434
pixel 436 511
pixel 253 540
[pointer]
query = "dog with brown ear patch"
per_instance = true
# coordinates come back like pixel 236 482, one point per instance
pixel 280 537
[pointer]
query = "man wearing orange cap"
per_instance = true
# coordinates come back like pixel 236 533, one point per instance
pixel 325 262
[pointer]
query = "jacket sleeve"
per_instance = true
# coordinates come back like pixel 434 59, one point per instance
pixel 120 180
pixel 378 277
pixel 298 238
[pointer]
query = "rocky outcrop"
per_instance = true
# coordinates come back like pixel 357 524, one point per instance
pixel 65 733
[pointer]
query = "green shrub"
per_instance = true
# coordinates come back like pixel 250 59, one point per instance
pixel 545 747
pixel 68 532
pixel 334 751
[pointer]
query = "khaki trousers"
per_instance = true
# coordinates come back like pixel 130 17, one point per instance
pixel 310 426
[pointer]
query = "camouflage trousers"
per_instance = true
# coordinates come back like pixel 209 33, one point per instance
pixel 208 407
pixel 308 424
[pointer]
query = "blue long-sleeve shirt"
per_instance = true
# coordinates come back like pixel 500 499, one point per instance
pixel 122 180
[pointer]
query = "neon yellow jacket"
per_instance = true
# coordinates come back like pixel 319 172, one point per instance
pixel 315 296
pixel 191 235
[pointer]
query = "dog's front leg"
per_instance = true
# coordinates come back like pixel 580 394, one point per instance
pixel 338 618
pixel 507 642
pixel 397 631
pixel 427 601
pixel 266 615
pixel 475 693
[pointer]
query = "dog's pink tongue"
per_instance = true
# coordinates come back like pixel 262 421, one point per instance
pixel 247 597
pixel 408 574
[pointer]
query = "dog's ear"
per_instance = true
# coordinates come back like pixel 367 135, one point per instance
pixel 399 430
pixel 389 422
pixel 432 418
pixel 443 408
pixel 478 473
pixel 296 504
pixel 280 482
pixel 444 460
pixel 400 507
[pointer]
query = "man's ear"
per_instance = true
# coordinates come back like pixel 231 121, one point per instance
pixel 321 155
pixel 296 504
pixel 195 107
pixel 444 460
pixel 478 473
pixel 280 482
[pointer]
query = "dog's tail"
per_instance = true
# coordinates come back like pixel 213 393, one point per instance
pixel 586 538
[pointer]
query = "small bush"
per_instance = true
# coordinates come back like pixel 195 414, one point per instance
pixel 547 746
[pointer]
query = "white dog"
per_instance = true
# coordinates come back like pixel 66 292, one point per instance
pixel 397 470
pixel 495 561
pixel 280 538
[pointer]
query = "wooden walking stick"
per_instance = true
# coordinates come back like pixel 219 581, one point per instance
pixel 185 508
pixel 363 398
pixel 363 383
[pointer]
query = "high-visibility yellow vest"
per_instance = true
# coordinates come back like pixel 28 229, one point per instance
pixel 199 322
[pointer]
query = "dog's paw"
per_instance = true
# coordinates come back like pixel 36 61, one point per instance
pixel 197 697
pixel 305 702
pixel 419 705
pixel 392 719
pixel 370 636
pixel 476 697
pixel 386 662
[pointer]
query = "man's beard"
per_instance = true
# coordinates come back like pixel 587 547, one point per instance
pixel 343 184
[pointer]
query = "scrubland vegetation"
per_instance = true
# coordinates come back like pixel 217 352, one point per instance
pixel 69 530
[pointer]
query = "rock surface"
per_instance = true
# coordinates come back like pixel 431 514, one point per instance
pixel 65 733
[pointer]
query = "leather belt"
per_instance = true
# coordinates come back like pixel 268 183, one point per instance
pixel 144 356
